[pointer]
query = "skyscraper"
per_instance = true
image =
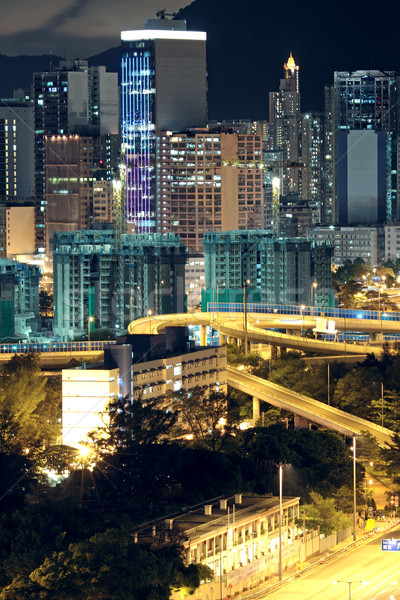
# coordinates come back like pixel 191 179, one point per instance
pixel 72 99
pixel 285 117
pixel 164 88
pixel 209 181
pixel 368 100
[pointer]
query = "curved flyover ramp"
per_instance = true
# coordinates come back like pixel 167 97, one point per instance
pixel 231 325
pixel 313 410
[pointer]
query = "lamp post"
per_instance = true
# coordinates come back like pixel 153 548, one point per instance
pixel 280 520
pixel 354 489
pixel 329 381
pixel 89 322
pixel 314 285
pixel 245 284
pixel 349 584
pixel 302 307
pixel 149 313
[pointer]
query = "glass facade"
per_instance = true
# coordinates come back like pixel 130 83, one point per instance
pixel 138 131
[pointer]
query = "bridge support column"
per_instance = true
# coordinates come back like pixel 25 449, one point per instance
pixel 274 351
pixel 376 336
pixel 256 409
pixel 283 351
pixel 203 335
pixel 296 332
pixel 222 339
pixel 301 422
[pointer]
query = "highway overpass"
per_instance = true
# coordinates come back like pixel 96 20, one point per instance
pixel 260 326
pixel 308 408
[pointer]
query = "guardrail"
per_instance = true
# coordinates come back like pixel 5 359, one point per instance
pixel 311 311
pixel 43 347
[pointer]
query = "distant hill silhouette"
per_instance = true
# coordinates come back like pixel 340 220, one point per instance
pixel 248 42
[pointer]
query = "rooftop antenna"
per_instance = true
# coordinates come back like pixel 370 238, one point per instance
pixel 162 14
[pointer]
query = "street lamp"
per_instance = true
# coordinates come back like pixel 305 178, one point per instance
pixel 302 307
pixel 314 285
pixel 245 284
pixel 280 520
pixel 349 584
pixel 90 320
pixel 354 489
pixel 149 313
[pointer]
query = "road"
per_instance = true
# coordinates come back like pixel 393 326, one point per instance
pixel 313 410
pixel 368 563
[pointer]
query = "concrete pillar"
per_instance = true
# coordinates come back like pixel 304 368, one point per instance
pixel 203 335
pixel 376 336
pixel 256 409
pixel 283 351
pixel 296 332
pixel 222 339
pixel 301 422
pixel 274 351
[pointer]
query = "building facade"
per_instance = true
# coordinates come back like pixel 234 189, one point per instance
pixel 72 99
pixel 141 367
pixel 115 282
pixel 19 299
pixel 163 88
pixel 368 100
pixel 349 243
pixel 209 181
pixel 274 271
pixel 16 150
pixel 69 190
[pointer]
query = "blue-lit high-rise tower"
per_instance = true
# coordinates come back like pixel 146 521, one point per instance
pixel 163 87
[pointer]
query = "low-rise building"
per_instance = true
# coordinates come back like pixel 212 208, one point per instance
pixel 236 537
pixel 139 367
pixel 349 243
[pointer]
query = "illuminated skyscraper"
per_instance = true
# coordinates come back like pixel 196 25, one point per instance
pixel 164 87
pixel 285 117
pixel 366 100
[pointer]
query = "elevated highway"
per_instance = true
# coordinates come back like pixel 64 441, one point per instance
pixel 259 326
pixel 312 410
pixel 230 325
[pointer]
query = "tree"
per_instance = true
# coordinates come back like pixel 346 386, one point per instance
pixel 108 566
pixel 323 513
pixel 202 412
pixel 22 397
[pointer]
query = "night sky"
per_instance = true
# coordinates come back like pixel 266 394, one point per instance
pixel 72 27
pixel 248 41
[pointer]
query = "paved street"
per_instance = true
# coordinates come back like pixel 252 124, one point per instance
pixel 374 575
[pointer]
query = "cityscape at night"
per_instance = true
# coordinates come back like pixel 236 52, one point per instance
pixel 199 301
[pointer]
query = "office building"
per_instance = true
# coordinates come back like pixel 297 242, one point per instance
pixel 72 99
pixel 363 177
pixel 367 100
pixel 209 181
pixel 16 150
pixel 349 243
pixel 115 281
pixel 163 88
pixel 274 271
pixel 194 279
pixel 17 229
pixel 138 367
pixel 392 241
pixel 19 299
pixel 68 172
